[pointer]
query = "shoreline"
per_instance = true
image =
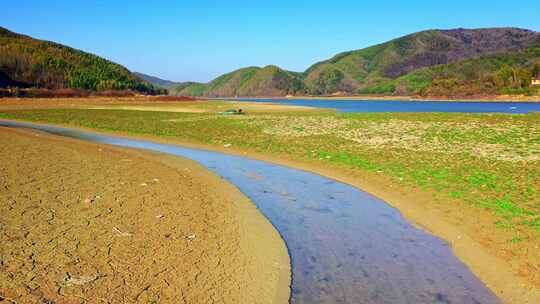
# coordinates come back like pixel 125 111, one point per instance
pixel 497 98
pixel 145 99
pixel 494 271
pixel 251 261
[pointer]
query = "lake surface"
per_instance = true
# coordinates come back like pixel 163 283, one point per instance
pixel 408 106
pixel 346 246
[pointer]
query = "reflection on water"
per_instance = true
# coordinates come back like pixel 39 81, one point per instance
pixel 345 245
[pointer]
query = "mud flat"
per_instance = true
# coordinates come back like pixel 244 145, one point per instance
pixel 90 223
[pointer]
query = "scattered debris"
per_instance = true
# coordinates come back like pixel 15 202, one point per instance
pixel 232 112
pixel 142 291
pixel 120 233
pixel 78 280
pixel 7 299
pixel 91 199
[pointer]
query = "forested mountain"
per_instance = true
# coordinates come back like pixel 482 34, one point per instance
pixel 433 63
pixel 29 62
pixel 370 70
pixel 506 73
pixel 251 81
pixel 156 81
pixel 446 62
pixel 191 89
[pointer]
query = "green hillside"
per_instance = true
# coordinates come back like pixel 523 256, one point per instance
pixel 509 73
pixel 156 81
pixel 436 62
pixel 188 89
pixel 29 62
pixel 250 81
pixel 371 70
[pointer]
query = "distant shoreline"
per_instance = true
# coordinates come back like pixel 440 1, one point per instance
pixel 497 98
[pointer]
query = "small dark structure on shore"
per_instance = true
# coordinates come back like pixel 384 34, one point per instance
pixel 233 112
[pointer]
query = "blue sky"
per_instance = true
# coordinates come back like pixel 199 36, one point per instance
pixel 199 40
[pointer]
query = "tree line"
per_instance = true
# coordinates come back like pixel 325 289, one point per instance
pixel 35 63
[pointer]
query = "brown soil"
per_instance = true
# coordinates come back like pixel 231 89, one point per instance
pixel 88 223
pixel 41 103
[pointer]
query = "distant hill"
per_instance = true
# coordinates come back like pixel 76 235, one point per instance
pixel 250 81
pixel 166 84
pixel 503 73
pixel 478 61
pixel 29 62
pixel 366 70
pixel 188 89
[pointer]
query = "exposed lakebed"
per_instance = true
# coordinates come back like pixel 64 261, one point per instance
pixel 346 246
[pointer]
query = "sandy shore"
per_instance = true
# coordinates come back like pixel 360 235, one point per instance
pixel 144 104
pixel 89 223
pixel 196 108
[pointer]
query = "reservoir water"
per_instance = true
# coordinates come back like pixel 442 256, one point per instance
pixel 342 105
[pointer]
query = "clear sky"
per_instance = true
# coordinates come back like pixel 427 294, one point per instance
pixel 201 39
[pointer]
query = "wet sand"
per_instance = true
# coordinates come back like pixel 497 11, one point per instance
pixel 89 223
